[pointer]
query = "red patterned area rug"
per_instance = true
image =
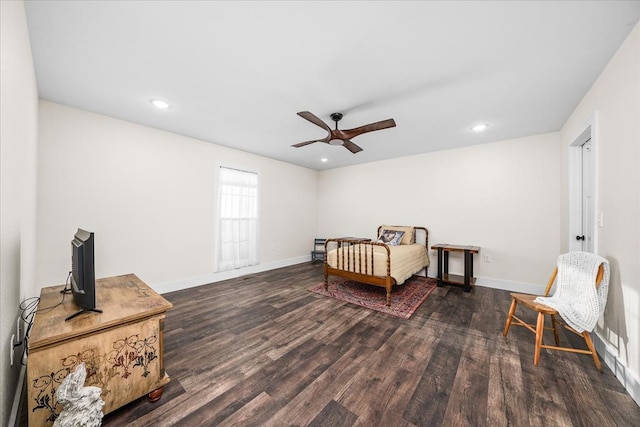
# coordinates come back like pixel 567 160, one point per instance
pixel 405 298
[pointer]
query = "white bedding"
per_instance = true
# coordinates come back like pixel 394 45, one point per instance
pixel 406 260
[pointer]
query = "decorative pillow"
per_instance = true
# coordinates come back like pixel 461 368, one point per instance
pixel 391 237
pixel 409 237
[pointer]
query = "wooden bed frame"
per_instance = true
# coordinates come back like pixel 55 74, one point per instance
pixel 347 259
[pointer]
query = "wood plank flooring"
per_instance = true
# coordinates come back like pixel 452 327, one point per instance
pixel 262 350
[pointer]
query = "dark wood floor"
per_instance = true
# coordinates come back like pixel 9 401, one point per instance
pixel 263 351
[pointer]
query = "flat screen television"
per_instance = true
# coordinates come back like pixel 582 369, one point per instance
pixel 83 279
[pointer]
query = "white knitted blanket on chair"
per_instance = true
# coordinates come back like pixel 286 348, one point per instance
pixel 576 298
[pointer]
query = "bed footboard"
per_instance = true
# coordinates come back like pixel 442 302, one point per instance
pixel 362 261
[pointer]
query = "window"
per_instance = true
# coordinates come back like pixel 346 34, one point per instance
pixel 238 228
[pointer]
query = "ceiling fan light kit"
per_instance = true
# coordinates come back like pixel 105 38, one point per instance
pixel 342 137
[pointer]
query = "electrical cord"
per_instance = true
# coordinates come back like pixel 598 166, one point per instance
pixel 67 285
pixel 29 309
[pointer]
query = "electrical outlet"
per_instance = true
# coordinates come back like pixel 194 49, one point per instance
pixel 11 347
pixel 487 258
pixel 18 330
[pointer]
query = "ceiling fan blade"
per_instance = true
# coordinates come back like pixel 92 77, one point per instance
pixel 302 144
pixel 351 146
pixel 314 119
pixel 384 124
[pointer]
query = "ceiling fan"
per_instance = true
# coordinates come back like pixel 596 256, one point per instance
pixel 342 137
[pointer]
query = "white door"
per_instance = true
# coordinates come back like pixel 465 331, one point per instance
pixel 587 198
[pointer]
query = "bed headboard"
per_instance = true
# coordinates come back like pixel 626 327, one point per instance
pixel 421 234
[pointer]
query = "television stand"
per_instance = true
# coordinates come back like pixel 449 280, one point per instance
pixel 122 349
pixel 84 310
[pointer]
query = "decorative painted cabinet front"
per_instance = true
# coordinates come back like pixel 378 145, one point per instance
pixel 121 347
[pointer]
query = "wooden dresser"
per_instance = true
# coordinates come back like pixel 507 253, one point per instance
pixel 121 348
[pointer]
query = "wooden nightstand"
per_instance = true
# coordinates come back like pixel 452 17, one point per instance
pixel 467 281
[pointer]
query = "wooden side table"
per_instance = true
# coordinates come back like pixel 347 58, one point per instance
pixel 467 281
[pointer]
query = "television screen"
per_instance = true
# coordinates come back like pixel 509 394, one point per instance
pixel 83 281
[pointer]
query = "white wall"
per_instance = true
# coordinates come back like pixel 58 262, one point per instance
pixel 18 141
pixel 149 196
pixel 502 196
pixel 615 102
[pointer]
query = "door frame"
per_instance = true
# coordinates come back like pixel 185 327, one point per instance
pixel 589 131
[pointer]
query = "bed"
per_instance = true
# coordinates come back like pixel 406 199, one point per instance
pixel 399 253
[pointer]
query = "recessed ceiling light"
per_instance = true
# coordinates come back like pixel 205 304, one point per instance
pixel 324 159
pixel 160 104
pixel 480 127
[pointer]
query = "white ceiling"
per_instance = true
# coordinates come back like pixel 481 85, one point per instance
pixel 236 73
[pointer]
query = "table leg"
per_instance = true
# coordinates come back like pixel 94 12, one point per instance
pixel 445 256
pixel 468 270
pixel 440 267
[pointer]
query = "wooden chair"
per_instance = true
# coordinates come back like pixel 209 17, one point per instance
pixel 317 254
pixel 538 329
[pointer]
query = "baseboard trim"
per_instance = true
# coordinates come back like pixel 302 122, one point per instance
pixel 178 285
pixel 505 285
pixel 16 407
pixel 622 373
pixel 527 288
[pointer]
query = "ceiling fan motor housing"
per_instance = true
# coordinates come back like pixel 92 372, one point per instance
pixel 336 117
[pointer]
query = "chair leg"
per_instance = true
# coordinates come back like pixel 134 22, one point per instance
pixel 554 322
pixel 512 311
pixel 587 338
pixel 539 332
